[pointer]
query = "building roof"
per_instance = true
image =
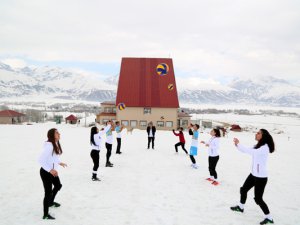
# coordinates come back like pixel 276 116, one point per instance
pixel 10 113
pixel 140 85
pixel 108 103
pixel 71 117
pixel 183 114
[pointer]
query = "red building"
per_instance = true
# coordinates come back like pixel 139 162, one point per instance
pixel 147 92
pixel 11 117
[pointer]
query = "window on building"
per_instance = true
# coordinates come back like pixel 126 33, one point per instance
pixel 108 110
pixel 125 123
pixel 143 123
pixel 169 124
pixel 133 123
pixel 160 123
pixel 185 122
pixel 114 110
pixel 147 110
pixel 104 121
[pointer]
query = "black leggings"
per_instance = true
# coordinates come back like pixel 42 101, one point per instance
pixel 193 159
pixel 95 157
pixel 151 139
pixel 108 153
pixel 259 185
pixel 212 163
pixel 50 194
pixel 119 145
pixel 182 146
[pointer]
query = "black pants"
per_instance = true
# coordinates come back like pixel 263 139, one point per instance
pixel 108 153
pixel 95 157
pixel 193 159
pixel 50 194
pixel 182 146
pixel 118 145
pixel 151 139
pixel 212 163
pixel 259 185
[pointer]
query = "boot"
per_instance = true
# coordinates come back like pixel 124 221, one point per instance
pixel 95 178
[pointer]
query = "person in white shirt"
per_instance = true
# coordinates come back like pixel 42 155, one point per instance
pixel 108 143
pixel 49 161
pixel 96 140
pixel 118 130
pixel 213 152
pixel 258 177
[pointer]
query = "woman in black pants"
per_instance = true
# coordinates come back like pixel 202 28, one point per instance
pixel 95 141
pixel 49 161
pixel 213 151
pixel 258 177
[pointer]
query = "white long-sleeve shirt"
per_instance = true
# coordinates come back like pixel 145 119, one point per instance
pixel 98 138
pixel 259 159
pixel 213 146
pixel 49 159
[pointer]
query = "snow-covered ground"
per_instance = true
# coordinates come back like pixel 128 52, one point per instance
pixel 150 187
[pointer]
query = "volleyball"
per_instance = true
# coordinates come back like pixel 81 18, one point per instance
pixel 162 69
pixel 121 106
pixel 171 87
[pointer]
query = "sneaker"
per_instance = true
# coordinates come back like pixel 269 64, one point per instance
pixel 95 179
pixel 209 179
pixel 267 221
pixel 237 209
pixel 48 217
pixel 109 165
pixel 195 166
pixel 215 183
pixel 54 204
pixel 118 152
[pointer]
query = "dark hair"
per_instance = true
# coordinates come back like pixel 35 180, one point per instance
pixel 197 125
pixel 51 138
pixel 117 123
pixel 93 132
pixel 266 139
pixel 180 128
pixel 217 131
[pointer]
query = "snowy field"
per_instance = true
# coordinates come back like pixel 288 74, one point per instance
pixel 149 187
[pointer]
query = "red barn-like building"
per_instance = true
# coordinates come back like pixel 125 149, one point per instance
pixel 147 88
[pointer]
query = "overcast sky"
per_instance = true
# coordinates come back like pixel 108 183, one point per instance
pixel 209 39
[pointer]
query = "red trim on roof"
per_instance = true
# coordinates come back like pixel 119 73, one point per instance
pixel 107 114
pixel 108 103
pixel 183 115
pixel 141 86
pixel 10 113
pixel 71 117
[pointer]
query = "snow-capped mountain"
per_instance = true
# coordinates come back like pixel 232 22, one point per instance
pixel 57 83
pixel 53 83
pixel 267 91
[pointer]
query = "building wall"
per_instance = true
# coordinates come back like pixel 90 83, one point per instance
pixel 132 114
pixel 8 120
pixel 5 120
pixel 100 119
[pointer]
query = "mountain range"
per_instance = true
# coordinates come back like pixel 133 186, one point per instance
pixel 57 83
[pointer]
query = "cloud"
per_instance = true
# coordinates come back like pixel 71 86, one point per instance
pixel 212 38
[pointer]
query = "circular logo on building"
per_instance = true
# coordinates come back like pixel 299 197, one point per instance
pixel 162 117
pixel 121 106
pixel 171 87
pixel 162 69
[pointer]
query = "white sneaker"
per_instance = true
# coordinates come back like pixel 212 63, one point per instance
pixel 195 166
